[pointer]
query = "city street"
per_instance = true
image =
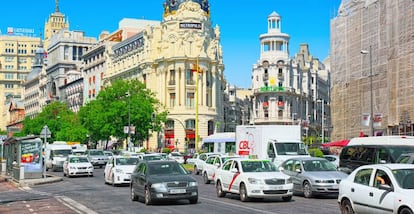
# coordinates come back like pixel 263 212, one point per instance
pixel 91 195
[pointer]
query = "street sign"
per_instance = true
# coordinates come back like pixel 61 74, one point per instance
pixel 45 133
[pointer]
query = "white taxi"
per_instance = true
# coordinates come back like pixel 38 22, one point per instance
pixel 213 163
pixel 118 170
pixel 253 178
pixel 379 188
pixel 75 165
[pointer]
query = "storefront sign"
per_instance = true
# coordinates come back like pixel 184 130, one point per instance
pixel 272 88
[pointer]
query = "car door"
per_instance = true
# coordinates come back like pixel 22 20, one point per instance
pixel 108 169
pixel 359 189
pixel 142 178
pixel 209 165
pixel 381 200
pixel 233 177
pixel 289 169
pixel 225 175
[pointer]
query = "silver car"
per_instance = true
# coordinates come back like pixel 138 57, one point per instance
pixel 313 176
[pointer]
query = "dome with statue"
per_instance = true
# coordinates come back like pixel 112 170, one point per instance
pixel 172 5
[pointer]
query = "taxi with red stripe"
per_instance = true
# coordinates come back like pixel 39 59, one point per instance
pixel 253 178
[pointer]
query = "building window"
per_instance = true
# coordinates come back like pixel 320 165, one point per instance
pixel 190 100
pixel 190 124
pixel 172 77
pixel 66 52
pixel 189 76
pixel 172 99
pixel 9 76
pixel 8 85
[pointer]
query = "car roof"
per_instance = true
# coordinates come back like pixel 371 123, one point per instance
pixel 306 158
pixel 391 166
pixel 73 156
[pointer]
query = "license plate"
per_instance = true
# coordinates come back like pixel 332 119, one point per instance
pixel 177 191
pixel 276 187
pixel 101 162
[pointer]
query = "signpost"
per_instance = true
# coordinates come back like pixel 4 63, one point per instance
pixel 45 133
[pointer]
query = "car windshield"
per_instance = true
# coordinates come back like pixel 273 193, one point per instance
pixel 96 152
pixel 291 149
pixel 258 166
pixel 62 153
pixel 176 154
pixel 126 161
pixel 318 165
pixel 78 160
pixel 166 168
pixel 404 177
pixel 152 157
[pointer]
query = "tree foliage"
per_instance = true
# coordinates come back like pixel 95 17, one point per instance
pixel 63 123
pixel 123 102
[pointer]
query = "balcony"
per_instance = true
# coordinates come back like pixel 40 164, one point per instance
pixel 265 105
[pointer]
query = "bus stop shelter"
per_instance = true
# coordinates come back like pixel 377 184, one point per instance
pixel 22 157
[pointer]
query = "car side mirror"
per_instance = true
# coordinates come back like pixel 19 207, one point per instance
pixel 217 164
pixel 298 170
pixel 281 169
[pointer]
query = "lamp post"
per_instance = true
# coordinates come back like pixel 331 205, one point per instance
pixel 371 122
pixel 323 118
pixel 129 121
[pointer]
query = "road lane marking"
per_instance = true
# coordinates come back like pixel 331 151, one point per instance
pixel 75 206
pixel 239 206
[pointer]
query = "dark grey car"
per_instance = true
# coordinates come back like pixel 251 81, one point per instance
pixel 162 180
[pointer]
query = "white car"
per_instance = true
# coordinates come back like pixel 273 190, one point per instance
pixel 378 188
pixel 75 165
pixel 213 163
pixel 199 162
pixel 118 170
pixel 176 156
pixel 253 178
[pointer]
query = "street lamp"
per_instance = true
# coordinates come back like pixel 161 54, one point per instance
pixel 371 124
pixel 129 120
pixel 323 118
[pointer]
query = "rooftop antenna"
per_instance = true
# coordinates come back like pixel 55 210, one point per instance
pixel 57 5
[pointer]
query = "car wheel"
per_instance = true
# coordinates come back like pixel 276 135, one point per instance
pixel 205 178
pixel 134 196
pixel 307 189
pixel 148 200
pixel 196 172
pixel 193 200
pixel 287 198
pixel 243 193
pixel 219 190
pixel 346 207
pixel 405 210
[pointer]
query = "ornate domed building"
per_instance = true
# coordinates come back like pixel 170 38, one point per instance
pixel 165 56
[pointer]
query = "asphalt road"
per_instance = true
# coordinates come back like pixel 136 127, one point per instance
pixel 90 195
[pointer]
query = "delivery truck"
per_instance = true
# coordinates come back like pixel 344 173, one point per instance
pixel 275 142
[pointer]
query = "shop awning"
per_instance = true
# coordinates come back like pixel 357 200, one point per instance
pixel 340 143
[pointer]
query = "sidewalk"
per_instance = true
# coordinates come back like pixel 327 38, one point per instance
pixel 17 199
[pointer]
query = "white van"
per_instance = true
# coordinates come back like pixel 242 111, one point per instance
pixel 374 150
pixel 56 154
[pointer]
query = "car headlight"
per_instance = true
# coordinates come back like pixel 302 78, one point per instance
pixel 90 167
pixel 72 167
pixel 192 184
pixel 289 181
pixel 159 186
pixel 119 171
pixel 324 181
pixel 255 181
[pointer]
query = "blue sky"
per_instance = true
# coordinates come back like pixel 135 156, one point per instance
pixel 241 23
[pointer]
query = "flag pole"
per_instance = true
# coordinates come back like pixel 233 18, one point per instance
pixel 196 98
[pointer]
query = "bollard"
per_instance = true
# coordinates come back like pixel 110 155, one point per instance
pixel 21 177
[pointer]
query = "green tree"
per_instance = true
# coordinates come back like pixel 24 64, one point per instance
pixel 63 123
pixel 116 105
